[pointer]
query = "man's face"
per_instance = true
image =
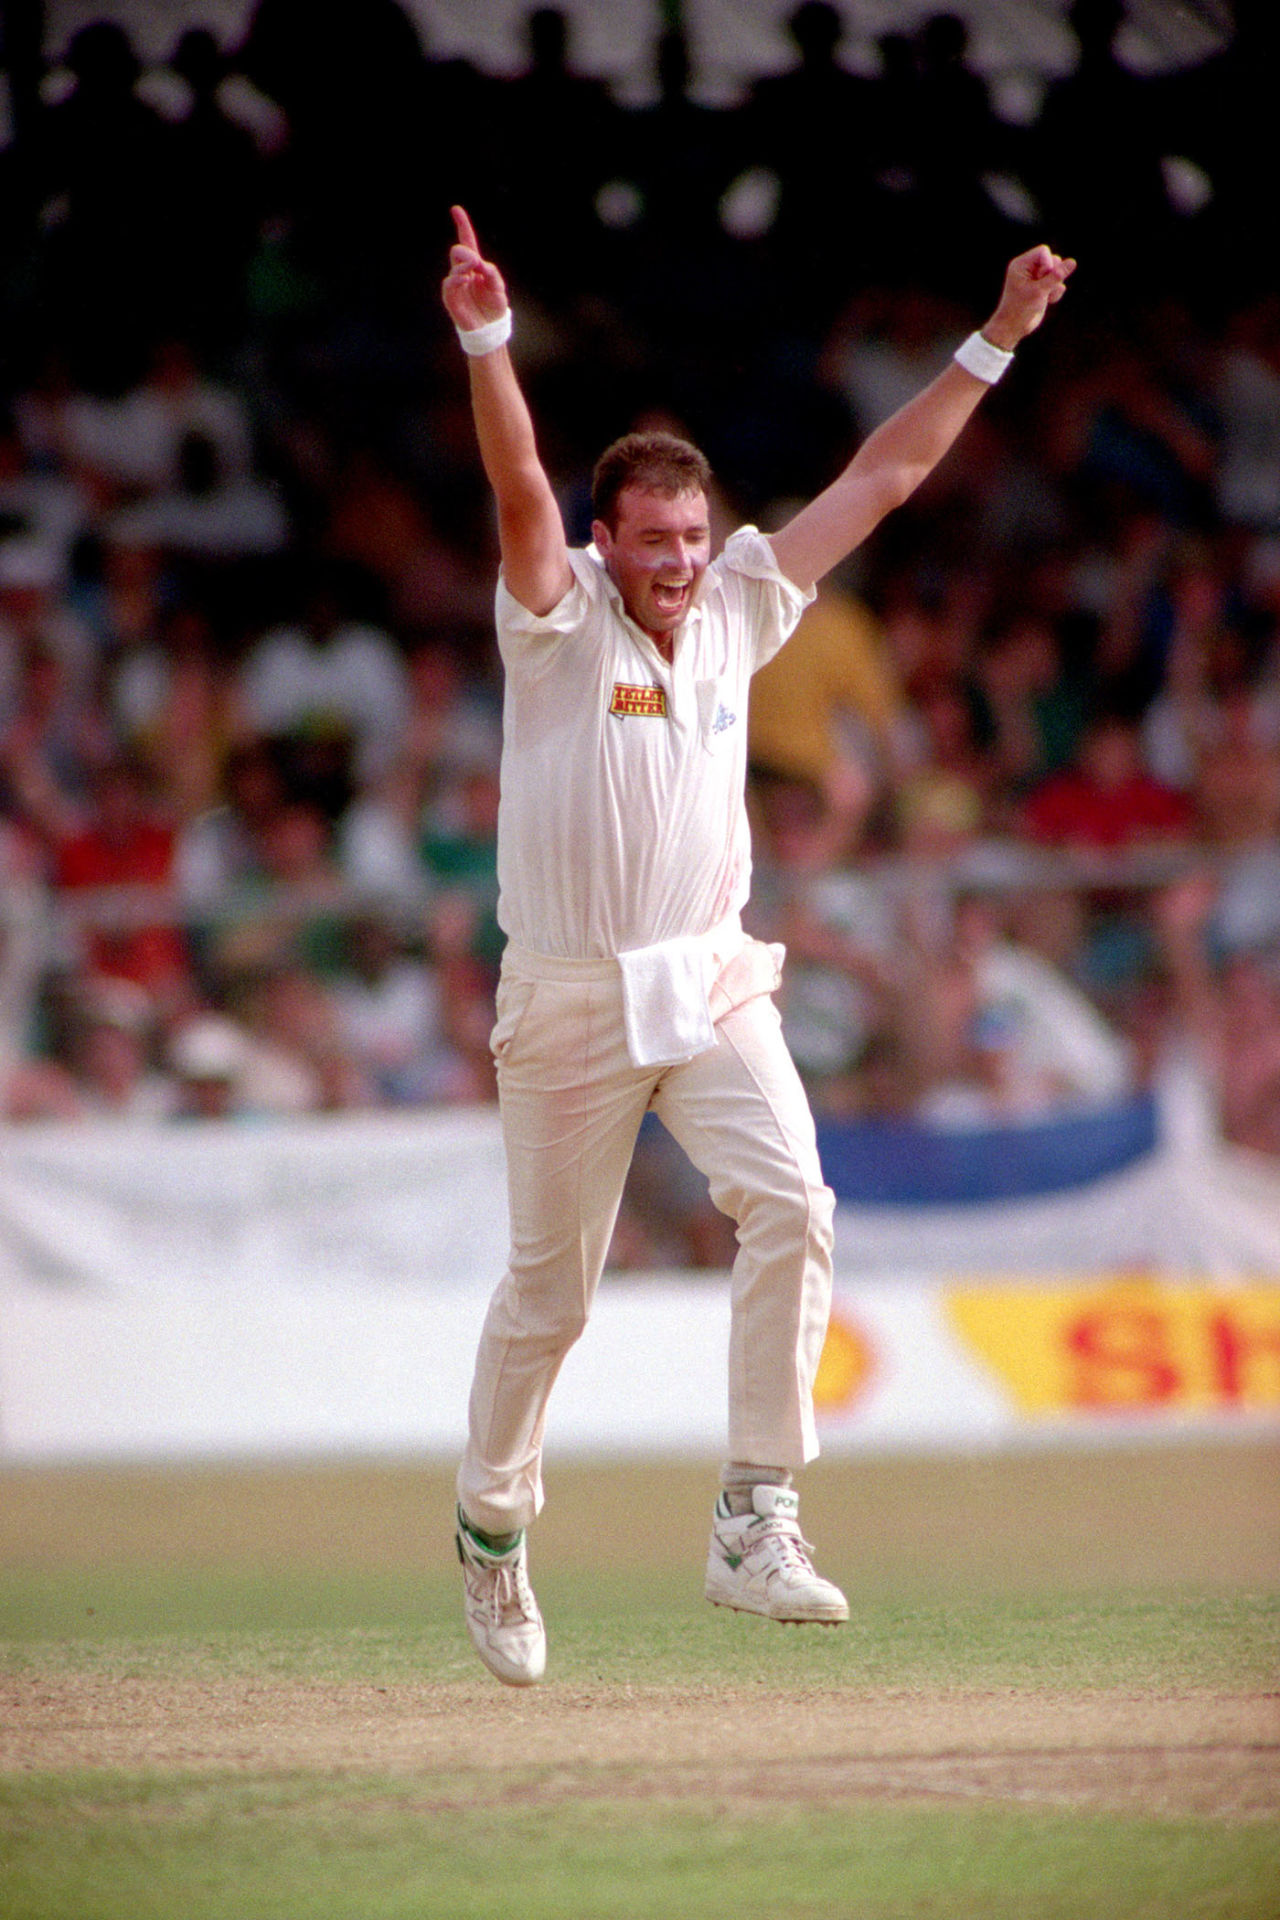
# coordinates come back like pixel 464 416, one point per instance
pixel 656 555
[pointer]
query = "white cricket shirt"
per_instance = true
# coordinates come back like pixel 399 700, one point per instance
pixel 622 821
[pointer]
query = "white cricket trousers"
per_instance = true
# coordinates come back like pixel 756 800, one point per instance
pixel 571 1104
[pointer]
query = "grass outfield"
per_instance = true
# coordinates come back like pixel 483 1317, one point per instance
pixel 227 1694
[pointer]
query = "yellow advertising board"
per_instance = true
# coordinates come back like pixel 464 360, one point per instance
pixel 1125 1344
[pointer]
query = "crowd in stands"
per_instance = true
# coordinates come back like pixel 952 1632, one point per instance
pixel 1015 781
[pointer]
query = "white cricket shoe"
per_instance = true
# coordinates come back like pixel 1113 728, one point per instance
pixel 502 1615
pixel 759 1563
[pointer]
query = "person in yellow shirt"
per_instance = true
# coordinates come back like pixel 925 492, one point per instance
pixel 826 709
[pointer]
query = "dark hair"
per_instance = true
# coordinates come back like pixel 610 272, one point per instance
pixel 656 462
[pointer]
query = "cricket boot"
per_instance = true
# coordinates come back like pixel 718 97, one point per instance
pixel 758 1562
pixel 502 1615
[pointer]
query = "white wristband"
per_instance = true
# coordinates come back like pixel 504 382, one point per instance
pixel 978 357
pixel 486 339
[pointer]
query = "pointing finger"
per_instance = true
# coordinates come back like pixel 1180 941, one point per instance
pixel 466 232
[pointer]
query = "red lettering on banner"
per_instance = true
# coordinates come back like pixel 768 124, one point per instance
pixel 1122 1358
pixel 1233 1347
pixel 1137 1346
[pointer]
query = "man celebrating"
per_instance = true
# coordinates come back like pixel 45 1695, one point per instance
pixel 627 981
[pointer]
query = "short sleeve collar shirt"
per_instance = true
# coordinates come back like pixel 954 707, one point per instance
pixel 622 820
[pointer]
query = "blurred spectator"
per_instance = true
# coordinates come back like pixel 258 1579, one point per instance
pixel 174 710
pixel 205 514
pixel 1095 161
pixel 1203 651
pixel 885 345
pixel 837 930
pixel 219 851
pixel 826 709
pixel 941 802
pixel 120 592
pixel 452 728
pixel 360 172
pixel 453 721
pixel 35 615
pixel 381 521
pixel 927 624
pixel 42 513
pixel 994 1033
pixel 1246 399
pixel 467 983
pixel 391 1005
pixel 110 1054
pixel 209 1055
pixel 1228 1015
pixel 667 1217
pixel 100 154
pixel 215 183
pixel 290 900
pixel 679 159
pixel 1106 803
pixel 296 1058
pixel 1132 433
pixel 1029 710
pixel 52 744
pixel 950 144
pixel 1237 780
pixel 1105 799
pixel 459 849
pixel 333 675
pixel 809 125
pixel 555 125
pixel 131 443
pixel 1237 797
pixel 377 838
pixel 30 1087
pixel 126 843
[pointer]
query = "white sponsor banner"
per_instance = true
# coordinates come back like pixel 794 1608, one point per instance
pixel 420 1201
pixel 299 1367
pixel 338 1367
pixel 377 1199
pixel 319 1287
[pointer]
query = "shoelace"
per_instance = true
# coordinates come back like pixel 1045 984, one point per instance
pixel 512 1594
pixel 792 1549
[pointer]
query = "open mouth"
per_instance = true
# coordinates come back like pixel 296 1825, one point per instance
pixel 670 598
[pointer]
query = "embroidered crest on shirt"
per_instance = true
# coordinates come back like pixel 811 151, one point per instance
pixel 723 720
pixel 644 702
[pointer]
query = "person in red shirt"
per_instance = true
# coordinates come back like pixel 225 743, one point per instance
pixel 125 843
pixel 1106 800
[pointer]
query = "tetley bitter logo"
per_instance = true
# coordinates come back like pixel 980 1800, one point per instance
pixel 645 702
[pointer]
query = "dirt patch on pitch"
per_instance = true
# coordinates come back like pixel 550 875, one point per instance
pixel 1205 1754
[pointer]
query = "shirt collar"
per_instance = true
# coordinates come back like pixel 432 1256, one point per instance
pixel 691 620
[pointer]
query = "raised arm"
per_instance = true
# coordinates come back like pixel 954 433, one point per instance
pixel 535 557
pixel 893 460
